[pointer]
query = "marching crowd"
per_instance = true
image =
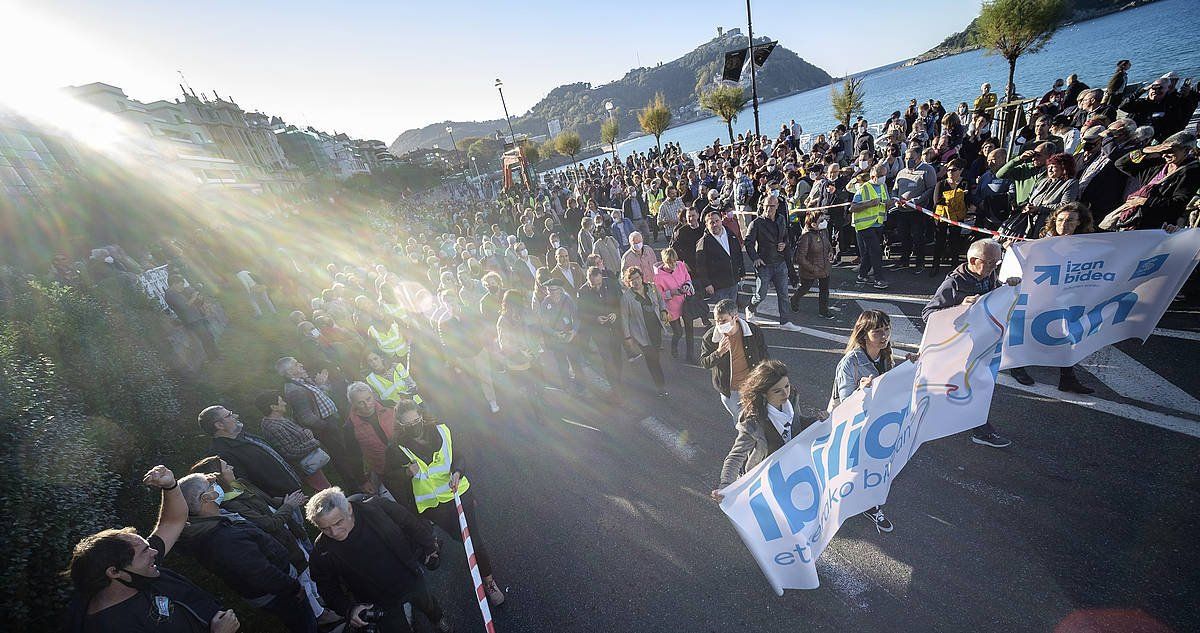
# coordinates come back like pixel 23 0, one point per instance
pixel 599 270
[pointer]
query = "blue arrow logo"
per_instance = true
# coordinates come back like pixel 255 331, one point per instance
pixel 1047 272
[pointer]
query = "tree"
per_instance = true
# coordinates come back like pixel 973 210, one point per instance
pixel 1011 28
pixel 655 118
pixel 532 154
pixel 568 143
pixel 725 102
pixel 609 130
pixel 848 101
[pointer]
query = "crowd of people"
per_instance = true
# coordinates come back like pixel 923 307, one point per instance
pixel 561 288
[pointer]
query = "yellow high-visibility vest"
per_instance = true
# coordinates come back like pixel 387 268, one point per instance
pixel 873 215
pixel 431 485
pixel 390 342
pixel 400 385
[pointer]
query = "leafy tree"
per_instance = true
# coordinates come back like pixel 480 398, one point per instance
pixel 725 102
pixel 655 118
pixel 608 133
pixel 485 151
pixel 1011 28
pixel 568 143
pixel 849 100
pixel 532 153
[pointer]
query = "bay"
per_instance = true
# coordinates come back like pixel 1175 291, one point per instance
pixel 1157 38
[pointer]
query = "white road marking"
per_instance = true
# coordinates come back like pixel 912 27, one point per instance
pixel 574 423
pixel 1184 334
pixel 1119 409
pixel 1135 381
pixel 673 440
pixel 903 331
pixel 851 294
pixel 1003 497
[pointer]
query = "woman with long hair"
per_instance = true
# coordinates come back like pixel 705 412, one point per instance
pixel 766 421
pixel 868 355
pixel 642 316
pixel 1072 218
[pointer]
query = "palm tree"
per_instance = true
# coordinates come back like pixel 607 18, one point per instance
pixel 568 143
pixel 1011 28
pixel 725 102
pixel 608 133
pixel 848 101
pixel 655 118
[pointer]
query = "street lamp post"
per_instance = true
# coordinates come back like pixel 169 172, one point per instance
pixel 512 135
pixel 608 105
pixel 450 131
pixel 753 78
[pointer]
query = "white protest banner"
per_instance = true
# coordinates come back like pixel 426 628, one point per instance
pixel 789 507
pixel 1082 292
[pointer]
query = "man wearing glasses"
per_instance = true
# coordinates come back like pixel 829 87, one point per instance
pixel 249 455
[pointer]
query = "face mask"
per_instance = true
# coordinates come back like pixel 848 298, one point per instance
pixel 863 164
pixel 220 494
pixel 137 581
pixel 877 180
pixel 823 224
pixel 523 253
pixel 315 332
pixel 725 328
pixel 637 246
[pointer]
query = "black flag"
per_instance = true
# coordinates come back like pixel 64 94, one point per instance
pixel 762 52
pixel 734 60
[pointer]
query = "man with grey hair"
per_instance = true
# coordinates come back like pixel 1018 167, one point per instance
pixel 249 560
pixel 369 556
pixel 964 286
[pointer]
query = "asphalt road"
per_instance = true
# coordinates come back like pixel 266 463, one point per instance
pixel 599 519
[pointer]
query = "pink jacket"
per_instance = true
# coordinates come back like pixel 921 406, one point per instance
pixel 670 284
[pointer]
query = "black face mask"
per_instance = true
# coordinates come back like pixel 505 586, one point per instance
pixel 137 581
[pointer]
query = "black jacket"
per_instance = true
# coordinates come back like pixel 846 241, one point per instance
pixel 258 508
pixel 762 239
pixel 1168 199
pixel 684 242
pixel 753 342
pixel 643 208
pixel 246 558
pixel 410 538
pixel 596 302
pixel 257 463
pixel 715 267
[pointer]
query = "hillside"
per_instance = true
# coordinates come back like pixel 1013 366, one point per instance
pixel 1080 11
pixel 580 106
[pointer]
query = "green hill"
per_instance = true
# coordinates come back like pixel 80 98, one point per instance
pixel 580 106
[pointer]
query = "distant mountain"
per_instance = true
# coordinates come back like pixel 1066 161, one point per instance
pixel 580 106
pixel 1078 11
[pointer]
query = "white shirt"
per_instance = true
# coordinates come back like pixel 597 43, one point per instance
pixel 723 240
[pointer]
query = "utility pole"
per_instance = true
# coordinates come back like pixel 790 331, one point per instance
pixel 753 78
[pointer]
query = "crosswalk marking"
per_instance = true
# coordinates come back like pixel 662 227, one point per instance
pixel 1119 409
pixel 1135 381
pixel 673 440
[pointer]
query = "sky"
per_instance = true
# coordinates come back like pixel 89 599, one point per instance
pixel 374 69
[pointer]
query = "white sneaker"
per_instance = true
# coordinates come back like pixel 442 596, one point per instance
pixel 495 407
pixel 789 326
pixel 749 313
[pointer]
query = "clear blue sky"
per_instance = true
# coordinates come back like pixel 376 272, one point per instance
pixel 374 69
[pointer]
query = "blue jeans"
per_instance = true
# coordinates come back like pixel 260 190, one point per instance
pixel 870 252
pixel 775 275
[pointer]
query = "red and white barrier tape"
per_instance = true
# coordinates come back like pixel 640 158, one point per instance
pixel 912 205
pixel 469 547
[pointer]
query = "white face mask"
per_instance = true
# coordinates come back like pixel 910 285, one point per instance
pixel 637 246
pixel 823 224
pixel 725 328
pixel 315 332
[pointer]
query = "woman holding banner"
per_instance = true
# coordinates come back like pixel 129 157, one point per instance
pixel 868 355
pixel 768 419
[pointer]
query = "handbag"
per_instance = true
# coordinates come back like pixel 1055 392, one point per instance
pixel 694 307
pixel 314 461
